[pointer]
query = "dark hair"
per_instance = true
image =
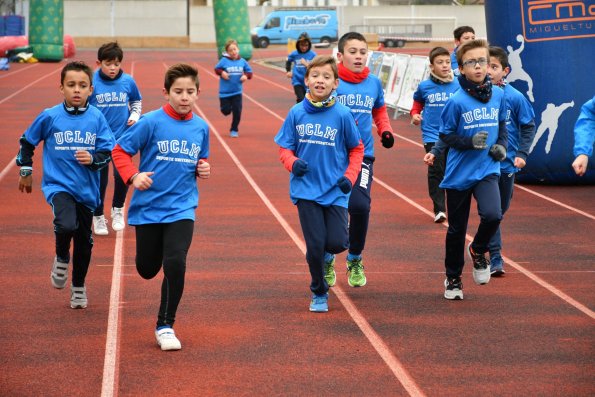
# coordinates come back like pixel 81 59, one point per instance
pixel 461 30
pixel 303 38
pixel 501 55
pixel 110 52
pixel 322 60
pixel 471 45
pixel 350 36
pixel 437 51
pixel 177 71
pixel 78 66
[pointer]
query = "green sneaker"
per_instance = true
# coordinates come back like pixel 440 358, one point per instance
pixel 329 272
pixel 355 272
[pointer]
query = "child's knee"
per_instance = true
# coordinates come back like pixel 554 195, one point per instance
pixel 64 226
pixel 226 111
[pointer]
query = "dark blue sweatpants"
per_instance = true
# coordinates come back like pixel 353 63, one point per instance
pixel 360 202
pixel 458 204
pixel 325 230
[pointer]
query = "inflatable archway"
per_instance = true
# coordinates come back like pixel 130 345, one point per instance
pixel 46 29
pixel 232 22
pixel 548 48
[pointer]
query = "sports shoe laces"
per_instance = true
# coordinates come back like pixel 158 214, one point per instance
pixel 481 262
pixel 101 224
pixel 356 267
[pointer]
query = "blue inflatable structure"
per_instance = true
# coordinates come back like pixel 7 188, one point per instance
pixel 550 45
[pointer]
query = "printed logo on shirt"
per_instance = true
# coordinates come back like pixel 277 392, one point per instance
pixel 310 129
pixel 235 69
pixel 111 99
pixel 65 138
pixel 439 97
pixel 176 147
pixel 483 114
pixel 357 100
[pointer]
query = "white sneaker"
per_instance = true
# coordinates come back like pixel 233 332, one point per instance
pixel 78 297
pixel 59 274
pixel 118 219
pixel 166 338
pixel 440 217
pixel 100 225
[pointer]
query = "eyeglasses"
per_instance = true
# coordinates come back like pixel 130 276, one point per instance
pixel 473 62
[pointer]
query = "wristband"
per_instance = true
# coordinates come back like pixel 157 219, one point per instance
pixel 25 171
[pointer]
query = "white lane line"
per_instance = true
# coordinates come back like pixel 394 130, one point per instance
pixel 112 353
pixel 375 340
pixel 4 75
pixel 29 85
pixel 532 276
pixel 111 358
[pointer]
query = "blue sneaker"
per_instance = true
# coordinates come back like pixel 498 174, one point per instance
pixel 234 134
pixel 319 303
pixel 496 270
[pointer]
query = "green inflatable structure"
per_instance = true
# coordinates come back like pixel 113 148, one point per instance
pixel 46 29
pixel 232 22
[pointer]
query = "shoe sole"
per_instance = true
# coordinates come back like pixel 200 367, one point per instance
pixel 456 296
pixel 357 285
pixel 313 310
pixel 498 273
pixel 117 228
pixel 78 305
pixel 100 233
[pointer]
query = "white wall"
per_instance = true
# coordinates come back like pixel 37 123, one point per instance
pixel 167 18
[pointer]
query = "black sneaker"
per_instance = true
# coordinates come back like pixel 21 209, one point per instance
pixel 453 288
pixel 481 266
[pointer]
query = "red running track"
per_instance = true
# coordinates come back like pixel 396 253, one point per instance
pixel 244 321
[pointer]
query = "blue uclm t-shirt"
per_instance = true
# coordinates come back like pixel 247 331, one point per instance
pixel 235 68
pixel 112 98
pixel 361 98
pixel 434 96
pixel 323 139
pixel 63 134
pixel 171 149
pixel 518 112
pixel 299 70
pixel 465 116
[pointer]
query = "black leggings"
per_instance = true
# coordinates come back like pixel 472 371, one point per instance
pixel 165 245
pixel 232 104
pixel 120 190
pixel 72 222
pixel 300 93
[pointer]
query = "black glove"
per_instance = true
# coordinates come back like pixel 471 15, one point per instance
pixel 299 168
pixel 479 140
pixel 388 140
pixel 344 184
pixel 498 152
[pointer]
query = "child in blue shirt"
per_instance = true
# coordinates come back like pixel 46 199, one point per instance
pixel 474 128
pixel 174 145
pixel 114 93
pixel 361 92
pixel 520 124
pixel 462 34
pixel 77 143
pixel 300 58
pixel 233 70
pixel 321 146
pixel 584 137
pixel 430 97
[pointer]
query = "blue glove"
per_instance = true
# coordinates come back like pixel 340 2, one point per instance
pixel 299 168
pixel 388 140
pixel 344 184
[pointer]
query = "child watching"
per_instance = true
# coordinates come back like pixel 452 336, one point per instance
pixel 462 34
pixel 362 92
pixel 233 70
pixel 431 96
pixel 300 58
pixel 520 124
pixel 115 93
pixel 174 145
pixel 320 145
pixel 474 128
pixel 70 182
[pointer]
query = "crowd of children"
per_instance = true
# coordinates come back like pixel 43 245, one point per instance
pixel 476 131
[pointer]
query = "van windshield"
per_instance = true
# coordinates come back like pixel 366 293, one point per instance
pixel 269 23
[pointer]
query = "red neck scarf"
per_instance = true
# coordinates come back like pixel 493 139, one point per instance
pixel 352 77
pixel 171 112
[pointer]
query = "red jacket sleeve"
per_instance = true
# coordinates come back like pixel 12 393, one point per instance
pixel 356 156
pixel 124 164
pixel 287 157
pixel 416 108
pixel 381 120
